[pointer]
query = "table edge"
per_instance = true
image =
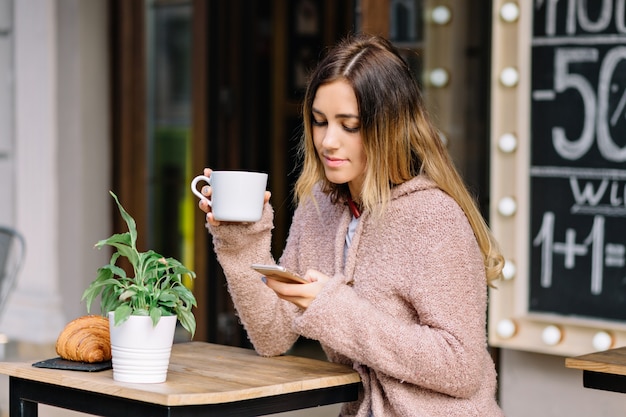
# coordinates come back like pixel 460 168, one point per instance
pixel 76 380
pixel 599 362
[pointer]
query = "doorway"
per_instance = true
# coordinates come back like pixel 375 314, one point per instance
pixel 198 84
pixel 213 83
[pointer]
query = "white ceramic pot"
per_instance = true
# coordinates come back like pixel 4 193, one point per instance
pixel 140 351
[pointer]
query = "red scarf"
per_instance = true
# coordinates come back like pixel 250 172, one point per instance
pixel 353 208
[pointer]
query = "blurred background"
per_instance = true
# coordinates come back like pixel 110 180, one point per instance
pixel 138 96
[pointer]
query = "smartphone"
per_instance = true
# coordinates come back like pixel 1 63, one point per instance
pixel 279 273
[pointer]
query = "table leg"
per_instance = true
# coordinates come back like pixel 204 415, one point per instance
pixel 19 407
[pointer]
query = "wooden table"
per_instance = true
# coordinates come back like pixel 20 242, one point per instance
pixel 203 380
pixel 602 370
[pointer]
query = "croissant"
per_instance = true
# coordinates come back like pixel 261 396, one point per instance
pixel 85 339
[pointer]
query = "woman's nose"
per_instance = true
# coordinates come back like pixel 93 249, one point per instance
pixel 330 138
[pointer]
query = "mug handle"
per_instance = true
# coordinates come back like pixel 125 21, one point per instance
pixel 194 188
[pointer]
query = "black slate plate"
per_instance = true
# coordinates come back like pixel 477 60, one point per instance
pixel 59 363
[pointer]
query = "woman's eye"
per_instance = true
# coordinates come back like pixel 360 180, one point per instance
pixel 319 122
pixel 351 129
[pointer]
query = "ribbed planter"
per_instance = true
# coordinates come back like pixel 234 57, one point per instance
pixel 140 351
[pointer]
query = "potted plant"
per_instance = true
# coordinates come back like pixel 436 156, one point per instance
pixel 154 299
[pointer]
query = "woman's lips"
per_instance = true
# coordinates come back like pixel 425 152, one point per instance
pixel 334 162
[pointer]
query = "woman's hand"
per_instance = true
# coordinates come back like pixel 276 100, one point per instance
pixel 206 191
pixel 301 295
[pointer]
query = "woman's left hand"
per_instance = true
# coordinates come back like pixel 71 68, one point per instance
pixel 301 295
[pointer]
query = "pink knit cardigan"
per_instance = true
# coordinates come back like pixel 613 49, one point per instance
pixel 407 310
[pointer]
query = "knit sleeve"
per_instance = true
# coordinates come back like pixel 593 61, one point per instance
pixel 266 318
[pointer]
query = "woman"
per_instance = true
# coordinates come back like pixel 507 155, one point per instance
pixel 396 252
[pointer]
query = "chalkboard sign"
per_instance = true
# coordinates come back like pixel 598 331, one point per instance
pixel 577 242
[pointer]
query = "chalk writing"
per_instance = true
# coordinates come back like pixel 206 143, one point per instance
pixel 578 155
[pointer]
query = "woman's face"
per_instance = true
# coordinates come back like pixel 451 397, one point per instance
pixel 337 135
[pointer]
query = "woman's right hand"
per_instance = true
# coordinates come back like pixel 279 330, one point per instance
pixel 301 295
pixel 206 191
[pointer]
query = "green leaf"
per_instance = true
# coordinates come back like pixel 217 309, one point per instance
pixel 188 321
pixel 126 295
pixel 168 299
pixel 109 300
pixel 155 315
pixel 103 279
pixel 117 239
pixel 122 313
pixel 130 222
pixel 115 270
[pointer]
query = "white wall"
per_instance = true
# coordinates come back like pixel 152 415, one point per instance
pixel 7 143
pixel 61 160
pixel 85 147
pixel 533 384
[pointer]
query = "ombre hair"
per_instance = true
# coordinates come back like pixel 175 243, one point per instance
pixel 399 140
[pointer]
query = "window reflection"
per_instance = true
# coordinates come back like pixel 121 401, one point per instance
pixel 406 21
pixel 169 128
pixel 406 31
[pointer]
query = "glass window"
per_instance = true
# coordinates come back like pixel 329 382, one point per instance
pixel 171 206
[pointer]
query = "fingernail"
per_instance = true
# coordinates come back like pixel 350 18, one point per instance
pixel 205 189
pixel 264 280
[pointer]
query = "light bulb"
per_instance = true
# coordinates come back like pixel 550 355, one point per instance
pixel 551 335
pixel 507 206
pixel 441 15
pixel 439 77
pixel 506 328
pixel 509 270
pixel 509 77
pixel 602 341
pixel 509 12
pixel 507 143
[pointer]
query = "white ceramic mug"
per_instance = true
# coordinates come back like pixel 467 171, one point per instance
pixel 237 196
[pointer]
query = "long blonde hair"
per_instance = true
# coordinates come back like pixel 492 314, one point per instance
pixel 400 141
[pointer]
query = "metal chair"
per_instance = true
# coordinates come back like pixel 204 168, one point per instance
pixel 12 251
